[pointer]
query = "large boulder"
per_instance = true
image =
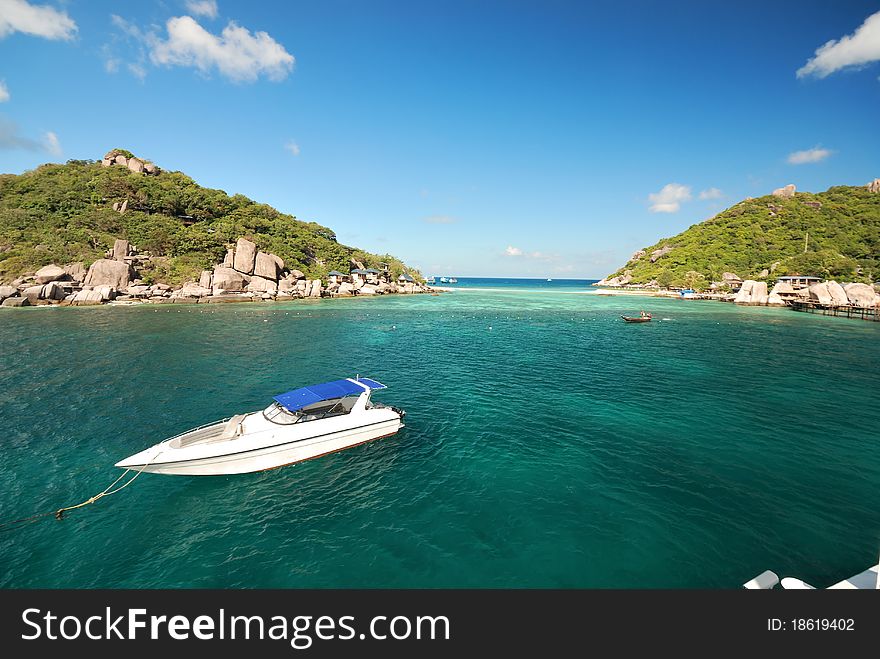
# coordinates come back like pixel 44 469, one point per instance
pixel 266 266
pixel 205 279
pixel 16 302
pixel 819 293
pixel 262 285
pixel 121 249
pixel 105 272
pixel 316 288
pixel 121 160
pixel 7 291
pixel 345 289
pixel 33 293
pixel 106 292
pixel 49 273
pixel 874 186
pixel 53 291
pixel 368 289
pixel 637 255
pixel 297 274
pixel 744 296
pixel 245 256
pixel 192 290
pixel 229 259
pixel 136 165
pixel 859 295
pixel 786 193
pixel 150 168
pixel 279 262
pixel 76 271
pixel 657 253
pixel 838 295
pixel 86 297
pixel 228 279
pixel 759 293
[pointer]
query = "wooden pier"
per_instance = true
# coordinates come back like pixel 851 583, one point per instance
pixel 847 310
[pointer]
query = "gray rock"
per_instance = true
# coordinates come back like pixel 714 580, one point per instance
pixel 657 253
pixel 136 165
pixel 150 168
pixel 86 297
pixel 124 206
pixel 138 291
pixel 16 302
pixel 33 293
pixel 106 292
pixel 53 291
pixel 106 162
pixel 76 271
pixel 121 249
pixel 265 266
pixel 7 291
pixel 192 290
pixel 786 193
pixel 229 259
pixel 316 288
pixel 245 256
pixel 297 274
pixel 838 295
pixel 228 279
pixel 637 255
pixel 759 293
pixel 121 160
pixel 859 295
pixel 262 285
pixel 49 273
pixel 105 272
pixel 345 289
pixel 368 289
pixel 205 279
pixel 819 293
pixel 764 273
pixel 744 296
pixel 278 262
pixel 874 186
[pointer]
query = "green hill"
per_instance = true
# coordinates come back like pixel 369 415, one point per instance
pixel 770 233
pixel 64 214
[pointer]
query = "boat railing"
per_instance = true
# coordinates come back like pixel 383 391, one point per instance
pixel 192 430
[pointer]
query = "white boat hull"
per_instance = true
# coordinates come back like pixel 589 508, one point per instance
pixel 266 446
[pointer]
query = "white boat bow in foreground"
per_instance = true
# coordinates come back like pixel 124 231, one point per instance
pixel 299 425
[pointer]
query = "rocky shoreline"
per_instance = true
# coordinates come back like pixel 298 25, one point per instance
pixel 245 275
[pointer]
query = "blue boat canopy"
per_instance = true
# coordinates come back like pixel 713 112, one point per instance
pixel 300 398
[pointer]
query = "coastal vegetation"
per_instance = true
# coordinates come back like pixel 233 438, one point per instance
pixel 832 235
pixel 65 213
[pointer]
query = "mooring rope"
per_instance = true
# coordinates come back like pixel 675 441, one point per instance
pixel 106 492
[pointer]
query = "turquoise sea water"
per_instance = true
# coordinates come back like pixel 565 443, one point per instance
pixel 548 444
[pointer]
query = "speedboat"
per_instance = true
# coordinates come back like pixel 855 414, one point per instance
pixel 429 280
pixel 444 280
pixel 300 424
pixel 453 280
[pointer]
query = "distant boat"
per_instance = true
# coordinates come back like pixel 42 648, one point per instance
pixel 646 318
pixel 298 425
pixel 429 280
pixel 444 280
pixel 548 279
pixel 453 280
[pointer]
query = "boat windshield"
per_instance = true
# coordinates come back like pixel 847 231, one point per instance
pixel 277 413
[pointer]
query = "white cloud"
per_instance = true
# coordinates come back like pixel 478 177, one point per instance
pixel 37 20
pixel 856 49
pixel 137 70
pixel 53 146
pixel 538 256
pixel 711 193
pixel 4 92
pixel 12 139
pixel 442 219
pixel 809 156
pixel 206 8
pixel 670 198
pixel 111 65
pixel 236 52
pixel 293 147
pixel 513 251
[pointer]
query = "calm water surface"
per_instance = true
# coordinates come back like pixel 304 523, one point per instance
pixel 548 444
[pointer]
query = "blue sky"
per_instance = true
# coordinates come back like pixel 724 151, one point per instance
pixel 469 138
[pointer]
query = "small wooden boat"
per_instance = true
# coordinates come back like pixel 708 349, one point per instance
pixel 637 319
